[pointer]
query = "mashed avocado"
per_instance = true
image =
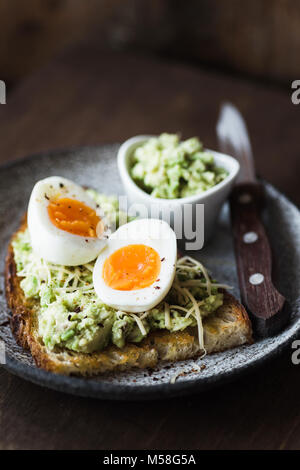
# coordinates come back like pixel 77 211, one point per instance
pixel 72 316
pixel 167 168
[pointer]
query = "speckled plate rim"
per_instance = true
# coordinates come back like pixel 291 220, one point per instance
pixel 109 391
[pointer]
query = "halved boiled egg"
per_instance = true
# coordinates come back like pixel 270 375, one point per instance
pixel 64 223
pixel 137 267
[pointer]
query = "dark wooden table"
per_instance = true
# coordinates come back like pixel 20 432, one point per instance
pixel 88 97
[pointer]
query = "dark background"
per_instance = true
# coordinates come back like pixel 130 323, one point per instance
pixel 258 38
pixel 87 72
pixel 255 43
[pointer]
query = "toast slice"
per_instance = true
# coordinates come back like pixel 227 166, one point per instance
pixel 227 328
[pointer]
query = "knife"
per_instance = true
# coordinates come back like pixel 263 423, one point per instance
pixel 268 309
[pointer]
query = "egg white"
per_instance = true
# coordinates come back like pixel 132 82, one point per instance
pixel 48 241
pixel 151 232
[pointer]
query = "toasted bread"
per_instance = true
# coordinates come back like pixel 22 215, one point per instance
pixel 227 328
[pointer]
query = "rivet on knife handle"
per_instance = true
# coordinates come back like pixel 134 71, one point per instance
pixel 267 307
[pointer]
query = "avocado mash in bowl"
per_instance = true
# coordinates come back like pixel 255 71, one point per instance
pixel 166 172
pixel 168 168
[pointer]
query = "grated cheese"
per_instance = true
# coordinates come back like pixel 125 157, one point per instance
pixel 199 283
pixel 175 377
pixel 191 310
pixel 139 324
pixel 198 318
pixel 200 266
pixel 144 315
pixel 167 316
pixel 178 307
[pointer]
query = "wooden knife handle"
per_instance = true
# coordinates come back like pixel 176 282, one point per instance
pixel 267 307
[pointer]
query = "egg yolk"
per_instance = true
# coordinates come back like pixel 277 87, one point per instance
pixel 74 217
pixel 131 267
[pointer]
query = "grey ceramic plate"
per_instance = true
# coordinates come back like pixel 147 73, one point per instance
pixel 96 167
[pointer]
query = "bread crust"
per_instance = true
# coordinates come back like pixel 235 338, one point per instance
pixel 228 327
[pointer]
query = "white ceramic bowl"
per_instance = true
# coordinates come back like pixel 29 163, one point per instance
pixel 212 199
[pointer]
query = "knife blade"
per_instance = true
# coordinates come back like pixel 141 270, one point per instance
pixel 268 309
